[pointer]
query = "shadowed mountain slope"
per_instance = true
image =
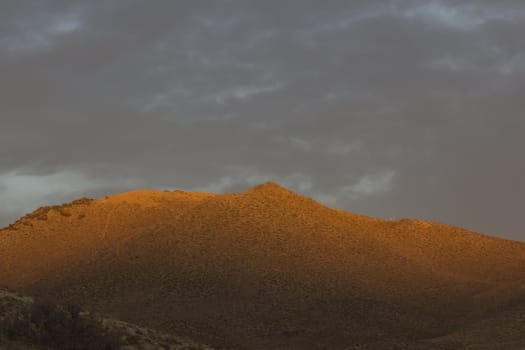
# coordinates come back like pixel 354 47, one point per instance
pixel 266 268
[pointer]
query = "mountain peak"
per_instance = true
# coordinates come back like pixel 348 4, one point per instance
pixel 269 187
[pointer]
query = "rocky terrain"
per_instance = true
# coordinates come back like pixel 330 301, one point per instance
pixel 26 323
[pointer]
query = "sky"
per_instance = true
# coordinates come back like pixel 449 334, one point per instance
pixel 392 109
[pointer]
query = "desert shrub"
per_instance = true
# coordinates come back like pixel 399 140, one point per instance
pixel 63 211
pixel 40 213
pixel 82 201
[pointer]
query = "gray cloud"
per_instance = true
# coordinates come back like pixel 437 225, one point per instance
pixel 387 108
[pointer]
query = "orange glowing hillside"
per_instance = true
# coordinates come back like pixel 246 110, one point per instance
pixel 265 269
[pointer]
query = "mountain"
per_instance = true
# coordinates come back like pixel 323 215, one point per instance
pixel 269 269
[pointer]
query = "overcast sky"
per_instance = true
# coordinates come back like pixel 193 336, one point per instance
pixel 386 108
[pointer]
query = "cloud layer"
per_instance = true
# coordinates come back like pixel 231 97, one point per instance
pixel 387 108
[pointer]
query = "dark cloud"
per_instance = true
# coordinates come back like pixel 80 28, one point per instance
pixel 388 108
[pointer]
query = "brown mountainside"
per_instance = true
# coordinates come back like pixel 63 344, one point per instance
pixel 266 268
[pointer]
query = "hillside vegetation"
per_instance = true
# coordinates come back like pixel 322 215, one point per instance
pixel 26 323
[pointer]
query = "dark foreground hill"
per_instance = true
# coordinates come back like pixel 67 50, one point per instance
pixel 270 269
pixel 29 324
